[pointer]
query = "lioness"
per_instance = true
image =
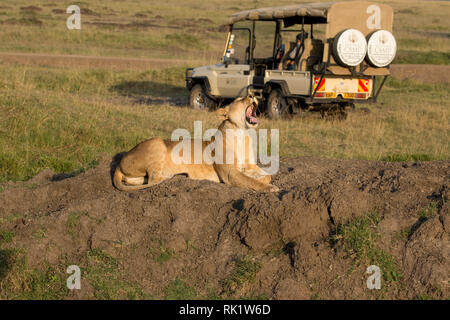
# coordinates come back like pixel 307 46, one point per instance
pixel 152 158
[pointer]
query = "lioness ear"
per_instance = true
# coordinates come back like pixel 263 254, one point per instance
pixel 222 113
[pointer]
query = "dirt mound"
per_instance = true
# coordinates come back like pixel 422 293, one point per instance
pixel 313 239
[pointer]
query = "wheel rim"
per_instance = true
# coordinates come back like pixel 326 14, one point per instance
pixel 275 105
pixel 199 101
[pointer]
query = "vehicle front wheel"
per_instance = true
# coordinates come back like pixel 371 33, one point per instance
pixel 276 104
pixel 199 100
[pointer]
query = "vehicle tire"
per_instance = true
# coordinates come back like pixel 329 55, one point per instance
pixel 199 100
pixel 275 103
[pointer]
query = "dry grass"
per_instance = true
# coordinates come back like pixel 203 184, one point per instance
pixel 63 118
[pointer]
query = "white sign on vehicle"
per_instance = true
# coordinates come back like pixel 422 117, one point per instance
pixel 351 47
pixel 381 48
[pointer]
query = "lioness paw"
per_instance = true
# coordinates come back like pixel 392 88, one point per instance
pixel 272 188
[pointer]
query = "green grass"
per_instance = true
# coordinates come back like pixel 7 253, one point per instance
pixel 418 57
pixel 410 86
pixel 428 212
pixel 162 255
pixel 73 223
pixel 61 132
pixel 18 281
pixel 6 236
pixel 103 274
pixel 434 292
pixel 180 290
pixel 40 234
pixel 244 272
pixel 10 218
pixel 63 118
pixel 48 282
pixel 404 234
pixel 407 157
pixel 359 238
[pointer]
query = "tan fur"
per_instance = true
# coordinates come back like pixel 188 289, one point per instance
pixel 152 159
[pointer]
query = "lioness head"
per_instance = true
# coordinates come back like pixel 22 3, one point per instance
pixel 241 112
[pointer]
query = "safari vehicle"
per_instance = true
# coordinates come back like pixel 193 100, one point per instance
pixel 340 56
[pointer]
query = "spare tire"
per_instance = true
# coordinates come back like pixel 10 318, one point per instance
pixel 350 47
pixel 381 48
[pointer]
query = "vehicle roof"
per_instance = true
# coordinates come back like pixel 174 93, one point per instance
pixel 313 13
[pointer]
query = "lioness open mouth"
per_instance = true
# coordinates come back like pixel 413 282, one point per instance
pixel 250 114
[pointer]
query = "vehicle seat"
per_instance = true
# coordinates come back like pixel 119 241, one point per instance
pixel 284 61
pixel 312 54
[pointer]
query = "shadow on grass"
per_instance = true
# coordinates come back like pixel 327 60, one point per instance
pixel 6 262
pixel 63 176
pixel 151 93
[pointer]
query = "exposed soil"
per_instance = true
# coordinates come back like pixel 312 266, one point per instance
pixel 58 11
pixel 23 21
pixel 426 73
pixel 134 24
pixel 60 60
pixel 30 8
pixel 209 225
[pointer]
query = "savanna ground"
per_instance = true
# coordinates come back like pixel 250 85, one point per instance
pixel 124 82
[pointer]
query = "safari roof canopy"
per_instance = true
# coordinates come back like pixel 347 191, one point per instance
pixel 312 13
pixel 337 15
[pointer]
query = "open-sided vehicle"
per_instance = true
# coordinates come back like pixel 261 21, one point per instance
pixel 322 56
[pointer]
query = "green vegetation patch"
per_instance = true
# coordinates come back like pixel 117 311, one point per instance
pixel 6 236
pixel 419 57
pixel 73 223
pixel 244 272
pixel 179 290
pixel 162 254
pixel 18 281
pixel 428 212
pixel 409 86
pixel 359 238
pixel 407 157
pixel 104 275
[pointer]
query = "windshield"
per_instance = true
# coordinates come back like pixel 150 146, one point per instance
pixel 238 47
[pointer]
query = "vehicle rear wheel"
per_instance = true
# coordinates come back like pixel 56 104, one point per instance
pixel 276 104
pixel 199 100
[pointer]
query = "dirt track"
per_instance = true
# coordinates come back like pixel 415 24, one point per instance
pixel 60 60
pixel 208 225
pixel 426 73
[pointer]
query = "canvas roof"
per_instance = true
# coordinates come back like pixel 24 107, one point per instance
pixel 313 13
